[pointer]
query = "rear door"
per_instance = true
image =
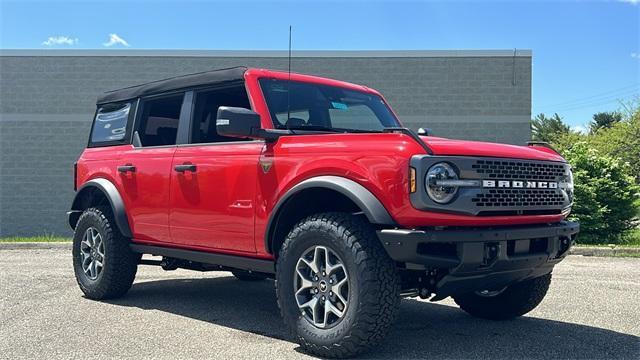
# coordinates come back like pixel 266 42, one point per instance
pixel 213 180
pixel 144 172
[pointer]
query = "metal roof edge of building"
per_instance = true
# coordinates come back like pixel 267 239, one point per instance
pixel 264 53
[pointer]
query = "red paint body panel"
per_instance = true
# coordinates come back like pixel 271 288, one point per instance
pixel 146 191
pixel 214 206
pixel 379 162
pixel 225 206
pixel 442 146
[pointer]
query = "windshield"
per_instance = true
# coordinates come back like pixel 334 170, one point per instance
pixel 322 107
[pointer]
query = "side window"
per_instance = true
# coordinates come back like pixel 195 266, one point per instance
pixel 110 124
pixel 203 126
pixel 158 124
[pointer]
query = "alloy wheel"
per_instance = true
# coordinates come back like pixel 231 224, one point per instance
pixel 92 253
pixel 321 286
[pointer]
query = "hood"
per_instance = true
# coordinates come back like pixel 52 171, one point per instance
pixel 443 146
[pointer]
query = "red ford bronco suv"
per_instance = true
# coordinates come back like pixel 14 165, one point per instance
pixel 314 182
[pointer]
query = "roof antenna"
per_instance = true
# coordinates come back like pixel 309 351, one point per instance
pixel 289 81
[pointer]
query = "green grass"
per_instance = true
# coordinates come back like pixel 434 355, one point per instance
pixel 627 255
pixel 41 238
pixel 632 238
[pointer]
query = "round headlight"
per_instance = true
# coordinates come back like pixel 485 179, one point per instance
pixel 440 193
pixel 566 185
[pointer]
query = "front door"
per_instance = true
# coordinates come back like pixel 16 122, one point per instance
pixel 213 180
pixel 213 191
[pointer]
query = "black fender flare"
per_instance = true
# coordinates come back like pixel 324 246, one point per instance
pixel 115 200
pixel 371 207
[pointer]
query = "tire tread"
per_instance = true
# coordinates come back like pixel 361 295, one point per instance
pixel 378 280
pixel 121 264
pixel 516 300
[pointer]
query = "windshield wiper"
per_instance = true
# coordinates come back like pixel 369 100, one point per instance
pixel 312 128
pixel 329 129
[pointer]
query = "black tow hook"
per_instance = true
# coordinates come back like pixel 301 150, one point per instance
pixel 491 251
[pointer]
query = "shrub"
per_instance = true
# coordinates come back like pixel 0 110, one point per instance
pixel 605 195
pixel 621 141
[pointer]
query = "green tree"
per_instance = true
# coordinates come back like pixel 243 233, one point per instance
pixel 621 141
pixel 605 194
pixel 604 120
pixel 548 129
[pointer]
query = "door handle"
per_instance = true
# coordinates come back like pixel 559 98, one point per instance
pixel 126 168
pixel 185 167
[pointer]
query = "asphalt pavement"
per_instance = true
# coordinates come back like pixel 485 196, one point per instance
pixel 592 311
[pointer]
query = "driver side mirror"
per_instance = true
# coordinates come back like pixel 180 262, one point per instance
pixel 237 122
pixel 425 131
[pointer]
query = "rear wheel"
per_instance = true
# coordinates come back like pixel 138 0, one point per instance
pixel 513 301
pixel 104 265
pixel 338 290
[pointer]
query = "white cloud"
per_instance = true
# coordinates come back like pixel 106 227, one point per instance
pixel 114 39
pixel 635 55
pixel 60 40
pixel 579 129
pixel 632 2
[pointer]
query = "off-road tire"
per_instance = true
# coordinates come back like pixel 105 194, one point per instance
pixel 516 300
pixel 120 263
pixel 374 285
pixel 244 275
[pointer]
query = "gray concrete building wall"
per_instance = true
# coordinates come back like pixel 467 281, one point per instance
pixel 47 100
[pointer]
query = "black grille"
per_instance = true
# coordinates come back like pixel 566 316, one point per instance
pixel 518 170
pixel 518 198
pixel 499 186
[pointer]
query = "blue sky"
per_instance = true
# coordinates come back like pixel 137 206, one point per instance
pixel 586 54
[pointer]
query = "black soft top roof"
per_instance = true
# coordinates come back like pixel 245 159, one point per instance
pixel 211 77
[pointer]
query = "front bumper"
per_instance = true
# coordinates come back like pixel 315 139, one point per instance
pixel 484 258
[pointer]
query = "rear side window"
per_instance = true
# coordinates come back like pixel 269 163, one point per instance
pixel 110 124
pixel 158 123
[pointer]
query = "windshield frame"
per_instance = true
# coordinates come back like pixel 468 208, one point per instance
pixel 275 124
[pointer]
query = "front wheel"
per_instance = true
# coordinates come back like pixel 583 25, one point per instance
pixel 510 302
pixel 104 265
pixel 338 290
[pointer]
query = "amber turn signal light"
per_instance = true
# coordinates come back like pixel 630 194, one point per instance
pixel 412 180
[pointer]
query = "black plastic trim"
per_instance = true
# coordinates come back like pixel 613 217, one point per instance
pixel 401 244
pixel 232 261
pixel 480 259
pixel 363 198
pixel 184 122
pixel 115 200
